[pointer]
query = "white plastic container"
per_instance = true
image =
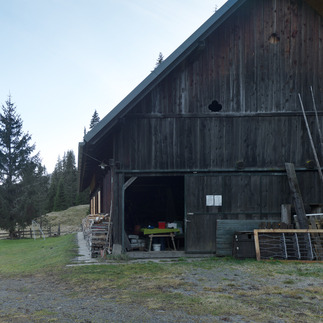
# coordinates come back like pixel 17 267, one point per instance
pixel 156 246
pixel 172 225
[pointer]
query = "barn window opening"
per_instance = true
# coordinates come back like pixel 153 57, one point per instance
pixel 274 38
pixel 215 106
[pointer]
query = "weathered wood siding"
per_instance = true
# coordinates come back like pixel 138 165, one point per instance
pixel 214 142
pixel 255 81
pixel 251 196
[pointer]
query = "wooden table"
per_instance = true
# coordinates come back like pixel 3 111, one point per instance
pixel 160 233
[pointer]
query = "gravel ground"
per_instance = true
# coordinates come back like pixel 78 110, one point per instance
pixel 35 299
pixel 29 299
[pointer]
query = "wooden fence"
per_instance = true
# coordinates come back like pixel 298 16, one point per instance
pixel 29 233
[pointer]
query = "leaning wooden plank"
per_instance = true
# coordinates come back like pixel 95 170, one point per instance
pixel 297 197
pixel 317 121
pixel 311 139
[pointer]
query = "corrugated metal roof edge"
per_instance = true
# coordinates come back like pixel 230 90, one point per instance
pixel 204 31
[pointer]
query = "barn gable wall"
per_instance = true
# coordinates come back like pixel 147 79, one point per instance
pixel 256 80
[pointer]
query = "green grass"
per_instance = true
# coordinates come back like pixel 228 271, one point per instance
pixel 29 256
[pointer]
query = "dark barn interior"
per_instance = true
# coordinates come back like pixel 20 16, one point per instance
pixel 153 199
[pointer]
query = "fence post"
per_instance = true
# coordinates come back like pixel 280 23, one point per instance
pixel 31 234
pixel 59 229
pixel 50 230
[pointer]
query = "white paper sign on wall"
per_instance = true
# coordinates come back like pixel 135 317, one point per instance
pixel 213 200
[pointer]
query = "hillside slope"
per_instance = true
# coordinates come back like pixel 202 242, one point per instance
pixel 70 220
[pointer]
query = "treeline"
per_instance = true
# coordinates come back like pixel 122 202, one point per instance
pixel 63 191
pixel 26 190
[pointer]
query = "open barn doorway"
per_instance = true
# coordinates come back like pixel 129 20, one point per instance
pixel 150 200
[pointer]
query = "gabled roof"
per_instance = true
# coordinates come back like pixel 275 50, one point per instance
pixel 162 70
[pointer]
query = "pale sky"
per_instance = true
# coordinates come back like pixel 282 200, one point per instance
pixel 62 59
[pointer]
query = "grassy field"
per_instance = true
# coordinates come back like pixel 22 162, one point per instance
pixel 29 256
pixel 265 291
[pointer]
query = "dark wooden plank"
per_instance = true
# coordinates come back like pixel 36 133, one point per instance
pixel 297 196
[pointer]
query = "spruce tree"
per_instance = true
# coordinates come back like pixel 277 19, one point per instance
pixel 22 177
pixel 60 202
pixel 70 178
pixel 54 180
pixel 160 59
pixel 94 120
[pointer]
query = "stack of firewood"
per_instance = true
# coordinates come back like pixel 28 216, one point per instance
pixel 95 230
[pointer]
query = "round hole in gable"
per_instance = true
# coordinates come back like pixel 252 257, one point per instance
pixel 215 106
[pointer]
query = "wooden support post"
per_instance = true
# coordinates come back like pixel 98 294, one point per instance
pixel 297 196
pixel 317 242
pixel 256 239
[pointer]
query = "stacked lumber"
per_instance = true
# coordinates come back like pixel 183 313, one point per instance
pixel 95 230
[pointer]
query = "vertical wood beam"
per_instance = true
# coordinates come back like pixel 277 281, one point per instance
pixel 256 239
pixel 99 202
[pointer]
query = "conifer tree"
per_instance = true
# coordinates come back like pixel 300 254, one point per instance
pixel 94 120
pixel 70 178
pixel 160 59
pixel 60 202
pixel 54 180
pixel 22 178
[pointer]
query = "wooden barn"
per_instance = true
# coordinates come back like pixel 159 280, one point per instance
pixel 205 137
